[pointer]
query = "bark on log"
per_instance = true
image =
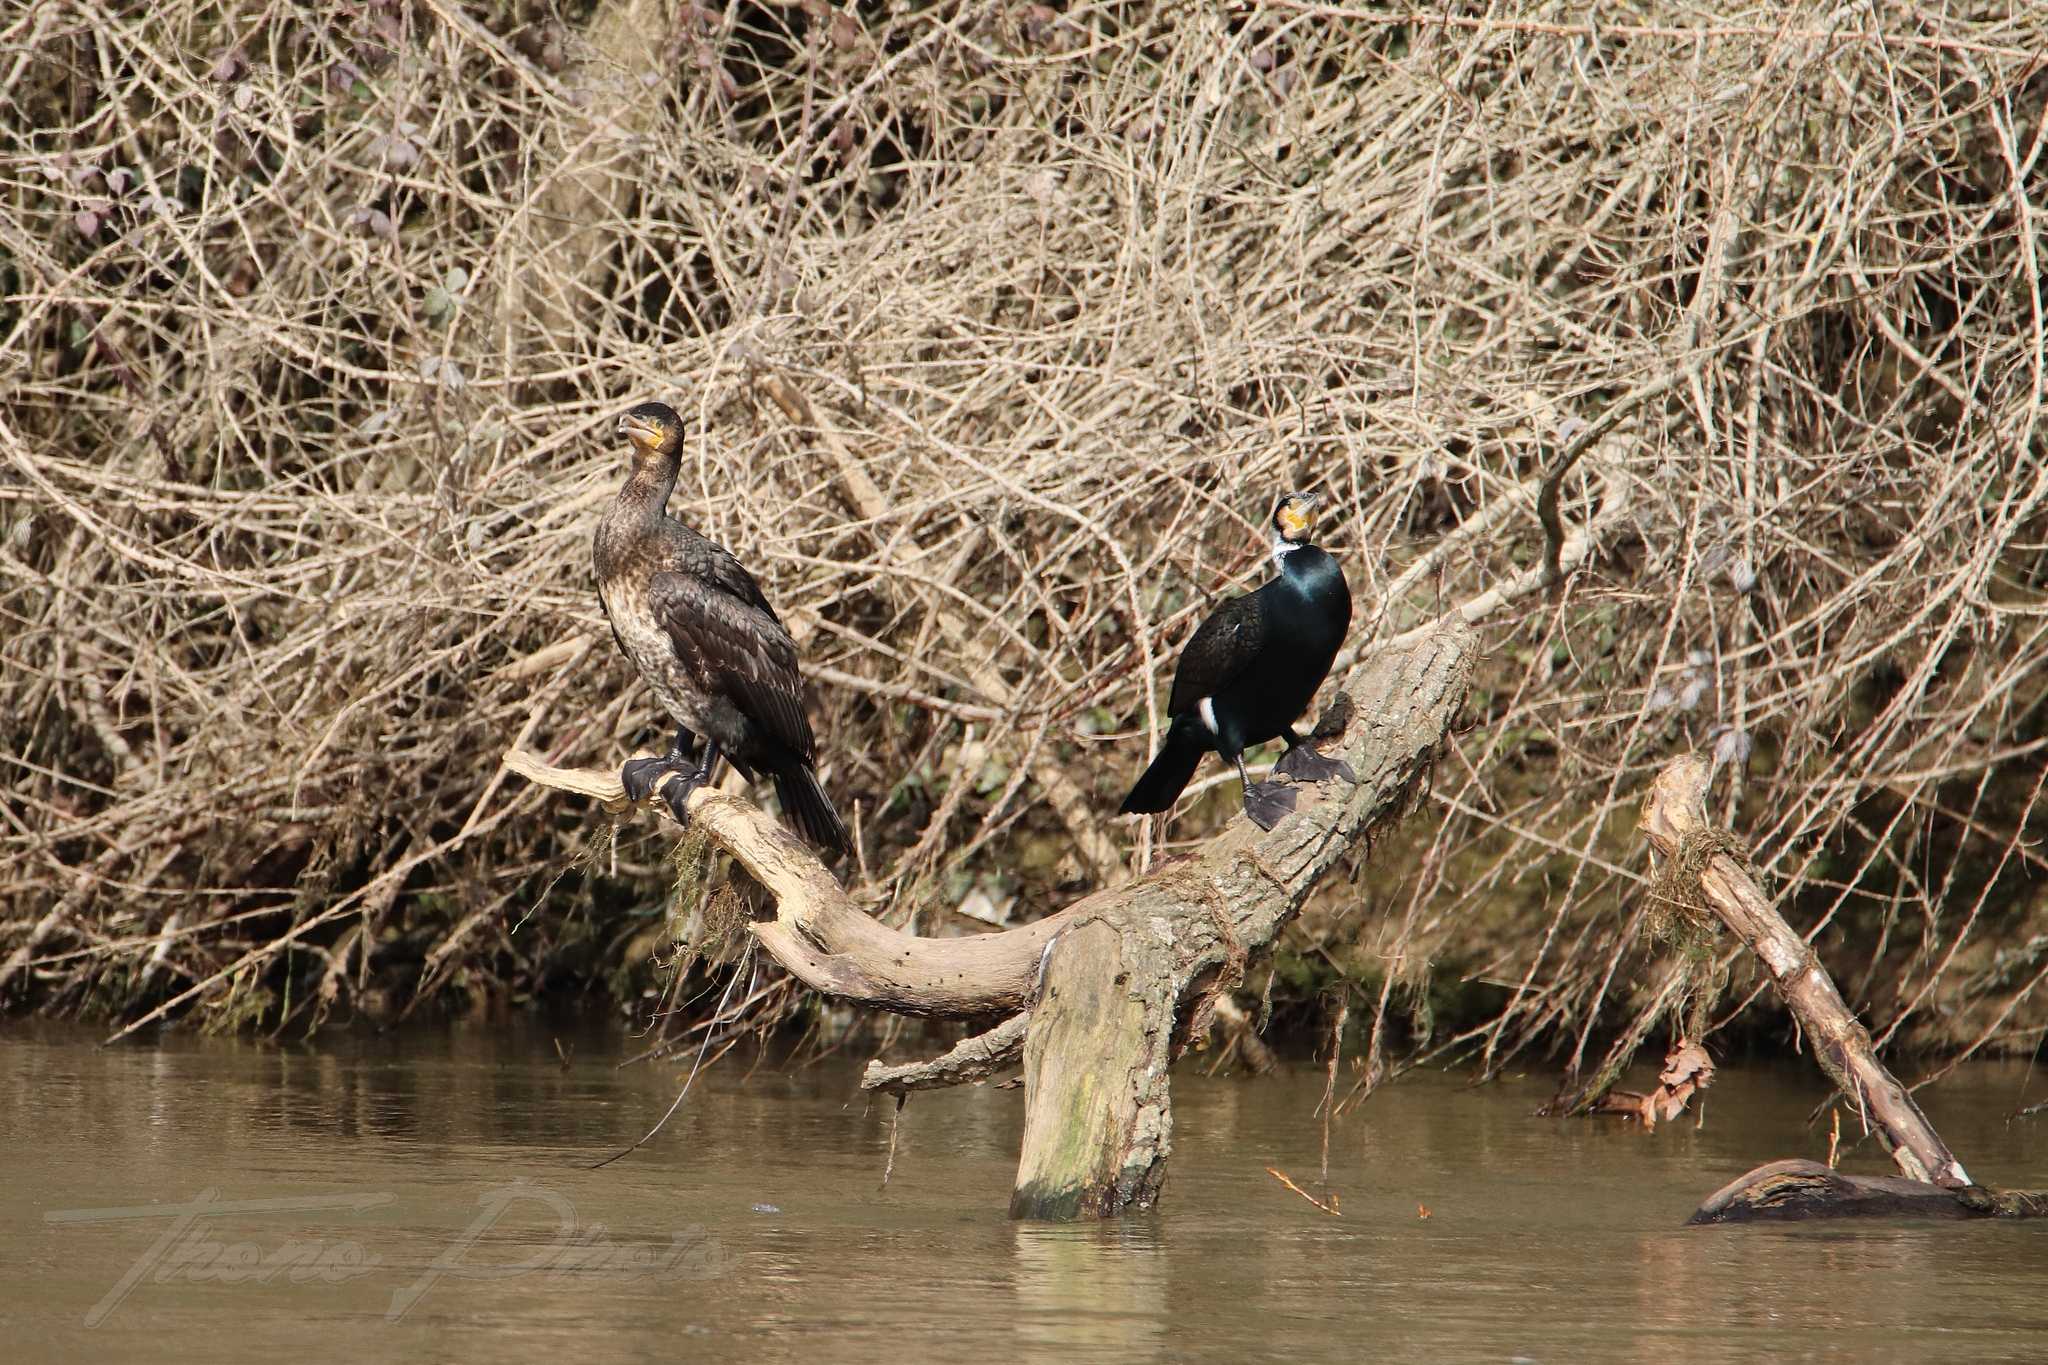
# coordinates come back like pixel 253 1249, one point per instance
pixel 1135 965
pixel 971 1059
pixel 1789 1190
pixel 1096 1119
pixel 1784 1191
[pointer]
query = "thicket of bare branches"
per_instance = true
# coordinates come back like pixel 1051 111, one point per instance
pixel 314 321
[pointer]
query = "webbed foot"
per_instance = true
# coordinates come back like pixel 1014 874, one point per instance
pixel 1267 803
pixel 1304 764
pixel 640 776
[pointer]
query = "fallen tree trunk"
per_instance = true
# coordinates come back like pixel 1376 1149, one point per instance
pixel 1710 871
pixel 1104 994
pixel 1785 1191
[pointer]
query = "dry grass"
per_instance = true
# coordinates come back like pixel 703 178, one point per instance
pixel 315 321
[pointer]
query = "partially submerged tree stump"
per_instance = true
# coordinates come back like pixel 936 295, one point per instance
pixel 1675 821
pixel 1096 1117
pixel 1103 995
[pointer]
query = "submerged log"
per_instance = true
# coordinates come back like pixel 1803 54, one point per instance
pixel 1106 992
pixel 1784 1191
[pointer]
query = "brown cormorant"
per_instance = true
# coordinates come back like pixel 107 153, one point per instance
pixel 694 623
pixel 1250 670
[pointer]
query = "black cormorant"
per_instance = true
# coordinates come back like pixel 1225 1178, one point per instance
pixel 1250 670
pixel 694 623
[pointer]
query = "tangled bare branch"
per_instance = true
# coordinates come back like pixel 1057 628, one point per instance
pixel 311 324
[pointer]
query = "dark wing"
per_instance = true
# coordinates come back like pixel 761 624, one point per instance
pixel 736 649
pixel 1219 650
pixel 721 570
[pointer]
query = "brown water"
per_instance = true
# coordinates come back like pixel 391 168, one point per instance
pixel 424 1197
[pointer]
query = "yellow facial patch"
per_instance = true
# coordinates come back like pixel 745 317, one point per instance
pixel 644 436
pixel 1294 519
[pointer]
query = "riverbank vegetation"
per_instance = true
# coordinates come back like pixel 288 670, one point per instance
pixel 999 325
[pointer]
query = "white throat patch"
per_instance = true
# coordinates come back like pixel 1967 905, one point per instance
pixel 1282 547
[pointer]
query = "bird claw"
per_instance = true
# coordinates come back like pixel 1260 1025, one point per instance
pixel 676 795
pixel 1304 764
pixel 639 776
pixel 1267 803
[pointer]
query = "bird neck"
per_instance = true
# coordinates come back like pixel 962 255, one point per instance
pixel 1307 568
pixel 648 487
pixel 1283 548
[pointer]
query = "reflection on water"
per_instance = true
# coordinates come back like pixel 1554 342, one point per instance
pixel 1090 1292
pixel 428 1195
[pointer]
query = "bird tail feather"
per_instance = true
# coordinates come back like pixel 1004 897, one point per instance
pixel 810 810
pixel 1170 771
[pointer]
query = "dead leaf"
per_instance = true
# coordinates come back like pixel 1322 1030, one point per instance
pixel 1688 1062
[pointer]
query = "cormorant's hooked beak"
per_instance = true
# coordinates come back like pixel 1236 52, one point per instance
pixel 640 431
pixel 1310 501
